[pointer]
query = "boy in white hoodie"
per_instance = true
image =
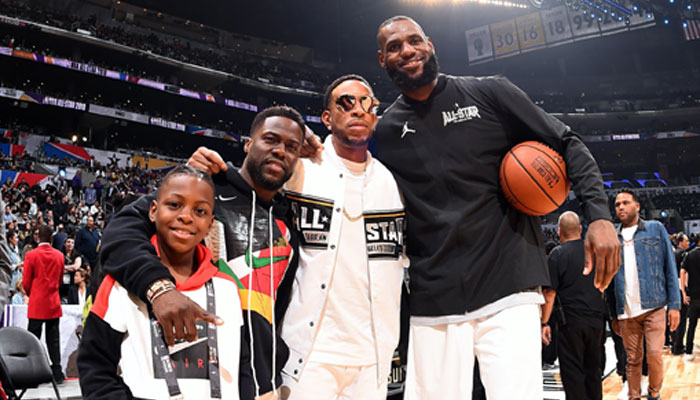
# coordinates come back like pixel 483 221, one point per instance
pixel 121 332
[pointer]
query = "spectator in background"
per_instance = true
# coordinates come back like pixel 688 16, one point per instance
pixel 77 183
pixel 72 262
pixel 581 311
pixel 90 195
pixel 15 260
pixel 5 268
pixel 83 208
pixel 39 219
pixel 20 296
pixel 646 282
pixel 690 286
pixel 43 268
pixel 681 243
pixel 80 290
pixel 48 215
pixel 72 219
pixel 112 191
pixel 30 242
pixel 47 206
pixel 59 237
pixel 22 220
pixel 61 208
pixel 98 189
pixel 33 208
pixel 8 216
pixel 95 211
pixel 87 240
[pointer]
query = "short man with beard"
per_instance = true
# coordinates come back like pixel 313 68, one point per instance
pixel 250 240
pixel 342 325
pixel 477 264
pixel 343 320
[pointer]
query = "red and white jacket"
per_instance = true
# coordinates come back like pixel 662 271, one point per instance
pixel 118 333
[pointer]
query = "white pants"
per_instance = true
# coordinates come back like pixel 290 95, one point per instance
pixel 507 344
pixel 321 381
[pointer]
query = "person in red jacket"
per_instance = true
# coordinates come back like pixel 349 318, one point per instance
pixel 43 270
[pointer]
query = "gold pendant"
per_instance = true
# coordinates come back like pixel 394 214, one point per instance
pixel 351 218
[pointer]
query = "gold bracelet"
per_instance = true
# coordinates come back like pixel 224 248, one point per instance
pixel 160 292
pixel 159 287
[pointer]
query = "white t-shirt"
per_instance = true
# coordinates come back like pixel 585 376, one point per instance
pixel 633 300
pixel 345 335
pixel 82 296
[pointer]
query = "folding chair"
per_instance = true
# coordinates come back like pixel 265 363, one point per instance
pixel 23 362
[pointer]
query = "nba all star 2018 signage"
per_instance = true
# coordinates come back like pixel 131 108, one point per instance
pixel 547 28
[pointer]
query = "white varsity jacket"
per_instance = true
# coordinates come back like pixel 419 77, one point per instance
pixel 316 193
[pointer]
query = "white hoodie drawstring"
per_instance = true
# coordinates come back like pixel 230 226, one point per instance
pixel 272 298
pixel 250 291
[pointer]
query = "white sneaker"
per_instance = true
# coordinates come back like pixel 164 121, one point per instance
pixel 624 392
pixel 645 385
pixel 689 357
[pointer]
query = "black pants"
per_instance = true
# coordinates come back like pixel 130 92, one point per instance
pixel 693 315
pixel 677 342
pixel 53 338
pixel 579 361
pixel 549 352
pixel 478 391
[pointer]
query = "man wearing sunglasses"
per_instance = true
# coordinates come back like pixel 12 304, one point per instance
pixel 342 322
pixel 477 263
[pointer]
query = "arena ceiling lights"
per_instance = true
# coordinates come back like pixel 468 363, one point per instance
pixel 622 10
pixel 604 9
pixel 499 3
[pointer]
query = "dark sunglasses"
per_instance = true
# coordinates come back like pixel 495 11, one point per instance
pixel 369 104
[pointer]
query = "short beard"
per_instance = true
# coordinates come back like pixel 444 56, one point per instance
pixel 630 219
pixel 406 83
pixel 255 172
pixel 349 142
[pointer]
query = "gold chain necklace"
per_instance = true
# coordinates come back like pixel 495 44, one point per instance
pixel 351 218
pixel 345 211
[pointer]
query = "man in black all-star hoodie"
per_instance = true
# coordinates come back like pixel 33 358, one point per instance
pixel 250 241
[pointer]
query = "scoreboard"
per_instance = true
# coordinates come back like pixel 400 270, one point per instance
pixel 547 28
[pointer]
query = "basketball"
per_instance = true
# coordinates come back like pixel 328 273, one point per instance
pixel 533 178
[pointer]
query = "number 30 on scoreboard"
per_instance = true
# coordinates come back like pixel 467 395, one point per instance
pixel 505 38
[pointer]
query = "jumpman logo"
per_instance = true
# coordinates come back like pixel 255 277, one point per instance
pixel 406 130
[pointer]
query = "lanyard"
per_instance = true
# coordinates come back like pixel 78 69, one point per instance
pixel 166 365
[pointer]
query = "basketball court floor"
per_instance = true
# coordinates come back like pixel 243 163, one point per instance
pixel 681 379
